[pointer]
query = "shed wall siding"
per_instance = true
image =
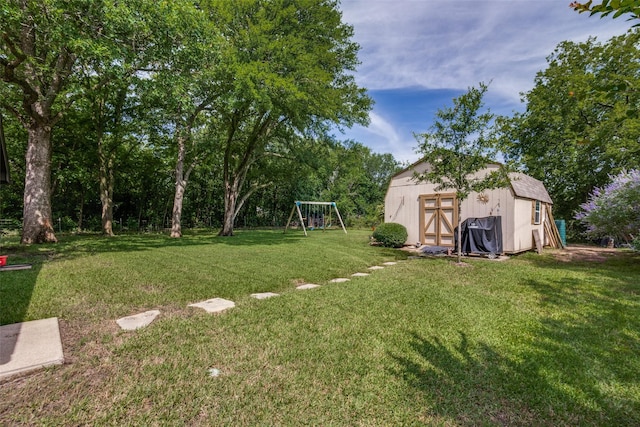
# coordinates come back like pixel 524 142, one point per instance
pixel 402 205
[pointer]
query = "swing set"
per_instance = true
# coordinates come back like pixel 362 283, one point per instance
pixel 318 215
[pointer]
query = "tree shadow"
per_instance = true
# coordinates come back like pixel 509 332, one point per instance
pixel 557 374
pixel 16 289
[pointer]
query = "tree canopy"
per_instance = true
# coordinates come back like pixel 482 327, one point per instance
pixel 581 122
pixel 108 92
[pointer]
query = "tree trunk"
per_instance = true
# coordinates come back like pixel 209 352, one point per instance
pixel 81 210
pixel 182 178
pixel 230 198
pixel 106 188
pixel 181 184
pixel 37 225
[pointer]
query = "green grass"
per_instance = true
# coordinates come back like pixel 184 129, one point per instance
pixel 528 341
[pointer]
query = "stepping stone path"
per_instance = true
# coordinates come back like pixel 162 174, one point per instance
pixel 136 321
pixel 29 345
pixel 307 286
pixel 214 305
pixel 264 295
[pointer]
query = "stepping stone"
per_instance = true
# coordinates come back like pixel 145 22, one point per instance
pixel 389 263
pixel 265 295
pixel 30 345
pixel 360 274
pixel 376 267
pixel 339 280
pixel 307 286
pixel 214 305
pixel 137 321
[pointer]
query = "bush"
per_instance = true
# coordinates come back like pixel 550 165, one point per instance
pixel 391 234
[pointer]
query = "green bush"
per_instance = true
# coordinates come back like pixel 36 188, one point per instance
pixel 391 234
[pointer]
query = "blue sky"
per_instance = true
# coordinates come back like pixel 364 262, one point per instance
pixel 417 55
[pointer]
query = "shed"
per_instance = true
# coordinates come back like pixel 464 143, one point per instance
pixel 430 217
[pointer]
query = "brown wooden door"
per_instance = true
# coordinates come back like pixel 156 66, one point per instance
pixel 438 218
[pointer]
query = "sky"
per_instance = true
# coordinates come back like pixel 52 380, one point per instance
pixel 417 55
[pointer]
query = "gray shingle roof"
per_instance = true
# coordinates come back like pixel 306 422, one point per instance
pixel 528 187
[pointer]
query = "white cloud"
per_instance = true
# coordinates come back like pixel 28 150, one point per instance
pixel 444 44
pixel 456 44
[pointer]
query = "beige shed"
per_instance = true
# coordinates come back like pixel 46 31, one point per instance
pixel 431 217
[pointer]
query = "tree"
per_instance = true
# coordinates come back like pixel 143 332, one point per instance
pixel 614 210
pixel 185 81
pixel 289 64
pixel 581 115
pixel 40 43
pixel 607 7
pixel 457 148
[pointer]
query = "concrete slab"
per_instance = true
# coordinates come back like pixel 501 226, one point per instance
pixel 389 263
pixel 307 286
pixel 214 305
pixel 360 274
pixel 265 295
pixel 137 321
pixel 339 280
pixel 376 267
pixel 30 345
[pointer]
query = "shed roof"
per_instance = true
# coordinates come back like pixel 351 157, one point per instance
pixel 523 185
pixel 529 187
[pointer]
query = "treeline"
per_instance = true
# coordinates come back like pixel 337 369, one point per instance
pixel 144 188
pixel 164 113
pixel 581 125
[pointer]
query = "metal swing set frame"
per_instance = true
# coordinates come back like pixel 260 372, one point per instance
pixel 298 204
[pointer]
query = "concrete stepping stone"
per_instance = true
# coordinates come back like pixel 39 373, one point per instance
pixel 137 321
pixel 389 263
pixel 360 274
pixel 214 305
pixel 376 267
pixel 307 286
pixel 30 345
pixel 264 295
pixel 339 280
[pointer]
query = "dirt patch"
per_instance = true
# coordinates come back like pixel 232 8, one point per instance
pixel 585 253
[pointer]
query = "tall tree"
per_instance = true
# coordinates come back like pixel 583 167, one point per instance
pixel 290 63
pixel 581 115
pixel 39 45
pixel 457 148
pixel 185 84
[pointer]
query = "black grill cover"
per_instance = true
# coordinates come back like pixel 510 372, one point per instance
pixel 481 235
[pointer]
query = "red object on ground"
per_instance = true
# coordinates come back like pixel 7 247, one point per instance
pixel 3 260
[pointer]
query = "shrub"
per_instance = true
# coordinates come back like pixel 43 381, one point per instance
pixel 614 210
pixel 391 234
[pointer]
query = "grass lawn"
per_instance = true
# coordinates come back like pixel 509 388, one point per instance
pixel 534 340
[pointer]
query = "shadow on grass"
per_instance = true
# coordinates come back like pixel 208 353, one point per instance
pixel 577 364
pixel 16 289
pixel 72 245
pixel 473 384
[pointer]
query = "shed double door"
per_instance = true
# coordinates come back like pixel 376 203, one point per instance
pixel 438 218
